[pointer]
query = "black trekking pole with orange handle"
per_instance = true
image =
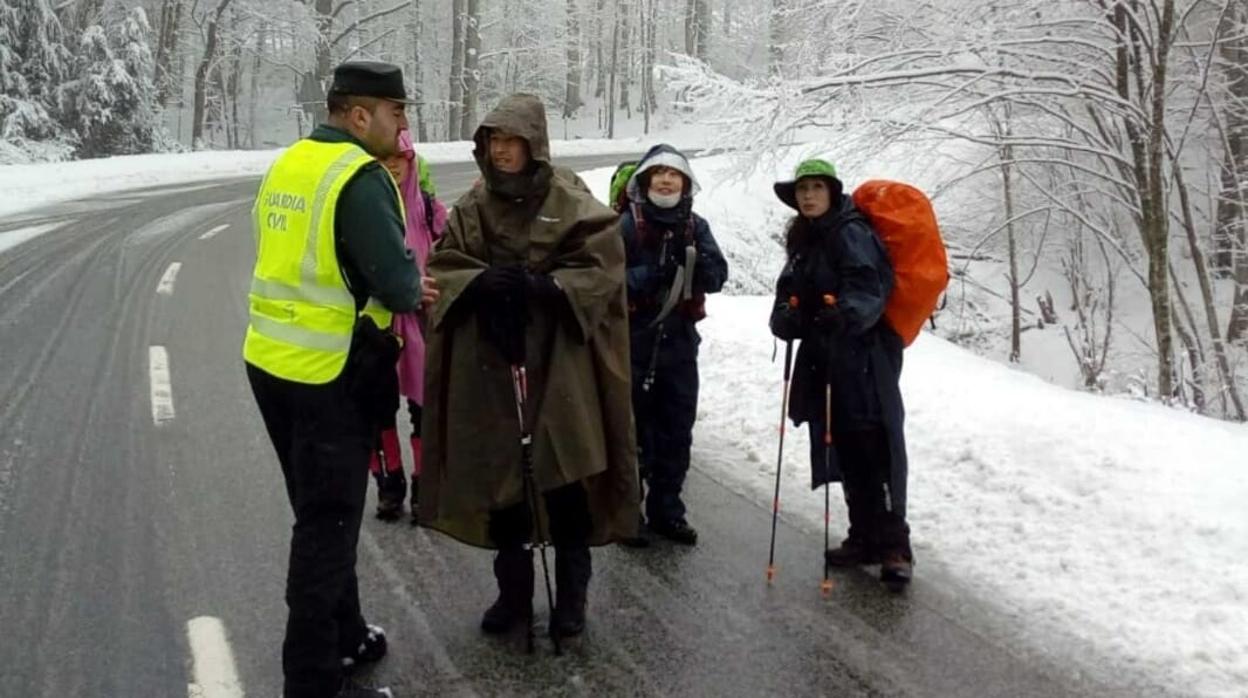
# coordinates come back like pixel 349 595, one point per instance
pixel 784 415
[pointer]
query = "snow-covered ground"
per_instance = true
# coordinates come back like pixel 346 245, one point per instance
pixel 1072 515
pixel 1110 520
pixel 31 186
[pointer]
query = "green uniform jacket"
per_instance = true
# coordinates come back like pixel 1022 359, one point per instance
pixel 577 355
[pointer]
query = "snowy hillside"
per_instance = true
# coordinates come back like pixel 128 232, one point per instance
pixel 1111 520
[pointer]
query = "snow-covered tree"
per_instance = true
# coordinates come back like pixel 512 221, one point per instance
pixel 110 104
pixel 32 65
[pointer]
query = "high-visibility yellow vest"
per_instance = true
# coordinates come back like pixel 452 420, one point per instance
pixel 302 315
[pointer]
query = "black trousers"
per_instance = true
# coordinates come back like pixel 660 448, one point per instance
pixel 664 416
pixel 322 441
pixel 569 525
pixel 862 456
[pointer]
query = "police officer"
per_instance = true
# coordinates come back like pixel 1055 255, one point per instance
pixel 330 267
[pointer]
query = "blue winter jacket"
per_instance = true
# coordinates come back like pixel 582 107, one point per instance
pixel 650 277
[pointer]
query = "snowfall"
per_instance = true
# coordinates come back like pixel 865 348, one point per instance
pixel 1108 521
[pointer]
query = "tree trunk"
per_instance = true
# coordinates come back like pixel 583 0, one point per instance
pixel 649 10
pixel 1147 151
pixel 1233 204
pixel 600 73
pixel 615 52
pixel 572 74
pixel 253 88
pixel 201 73
pixel 691 28
pixel 312 83
pixel 1206 293
pixel 416 30
pixel 626 74
pixel 456 96
pixel 1158 219
pixel 171 12
pixel 775 52
pixel 702 28
pixel 472 73
pixel 1016 310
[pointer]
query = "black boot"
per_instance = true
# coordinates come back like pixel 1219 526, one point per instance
pixel 573 568
pixel 677 531
pixel 415 500
pixel 860 546
pixel 896 557
pixel 513 568
pixel 391 490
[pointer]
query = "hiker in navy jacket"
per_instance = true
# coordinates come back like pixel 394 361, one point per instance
pixel 831 295
pixel 673 262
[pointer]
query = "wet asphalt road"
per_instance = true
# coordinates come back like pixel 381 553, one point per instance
pixel 115 531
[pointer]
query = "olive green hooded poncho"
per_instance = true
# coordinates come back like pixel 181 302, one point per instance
pixel 577 352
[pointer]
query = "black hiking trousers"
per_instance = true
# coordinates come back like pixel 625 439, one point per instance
pixel 322 441
pixel 664 416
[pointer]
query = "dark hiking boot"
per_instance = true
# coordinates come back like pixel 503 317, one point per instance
pixel 371 649
pixel 418 459
pixel 391 491
pixel 513 569
pixel 414 500
pixel 851 553
pixel 896 557
pixel 677 531
pixel 573 568
pixel 351 690
pixel 896 570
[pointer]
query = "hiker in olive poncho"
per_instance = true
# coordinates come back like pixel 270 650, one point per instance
pixel 532 273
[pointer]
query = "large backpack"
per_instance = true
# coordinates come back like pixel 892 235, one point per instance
pixel 906 223
pixel 618 195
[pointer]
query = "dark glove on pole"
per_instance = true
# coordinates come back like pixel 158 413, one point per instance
pixel 786 320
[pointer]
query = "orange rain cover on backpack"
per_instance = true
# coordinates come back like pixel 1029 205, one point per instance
pixel 905 221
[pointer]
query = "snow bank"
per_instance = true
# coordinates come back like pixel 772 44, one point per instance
pixel 31 186
pixel 1111 520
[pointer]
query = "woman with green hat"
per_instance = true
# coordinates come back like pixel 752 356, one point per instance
pixel 831 296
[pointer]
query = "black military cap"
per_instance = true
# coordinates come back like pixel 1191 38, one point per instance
pixel 370 79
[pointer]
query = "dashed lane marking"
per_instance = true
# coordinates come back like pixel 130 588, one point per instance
pixel 162 388
pixel 212 233
pixel 214 672
pixel 166 282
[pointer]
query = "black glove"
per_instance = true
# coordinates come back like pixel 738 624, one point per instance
pixel 829 319
pixel 370 376
pixel 786 321
pixel 498 294
pixel 498 285
pixel 542 289
pixel 502 326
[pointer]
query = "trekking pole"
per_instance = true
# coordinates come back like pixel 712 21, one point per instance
pixel 784 415
pixel 520 386
pixel 825 587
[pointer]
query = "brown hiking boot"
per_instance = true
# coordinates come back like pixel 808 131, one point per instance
pixel 851 553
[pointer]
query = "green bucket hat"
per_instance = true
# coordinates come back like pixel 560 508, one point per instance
pixel 787 191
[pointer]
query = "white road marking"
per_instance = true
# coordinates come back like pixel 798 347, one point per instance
pixel 214 672
pixel 167 281
pixel 162 388
pixel 211 233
